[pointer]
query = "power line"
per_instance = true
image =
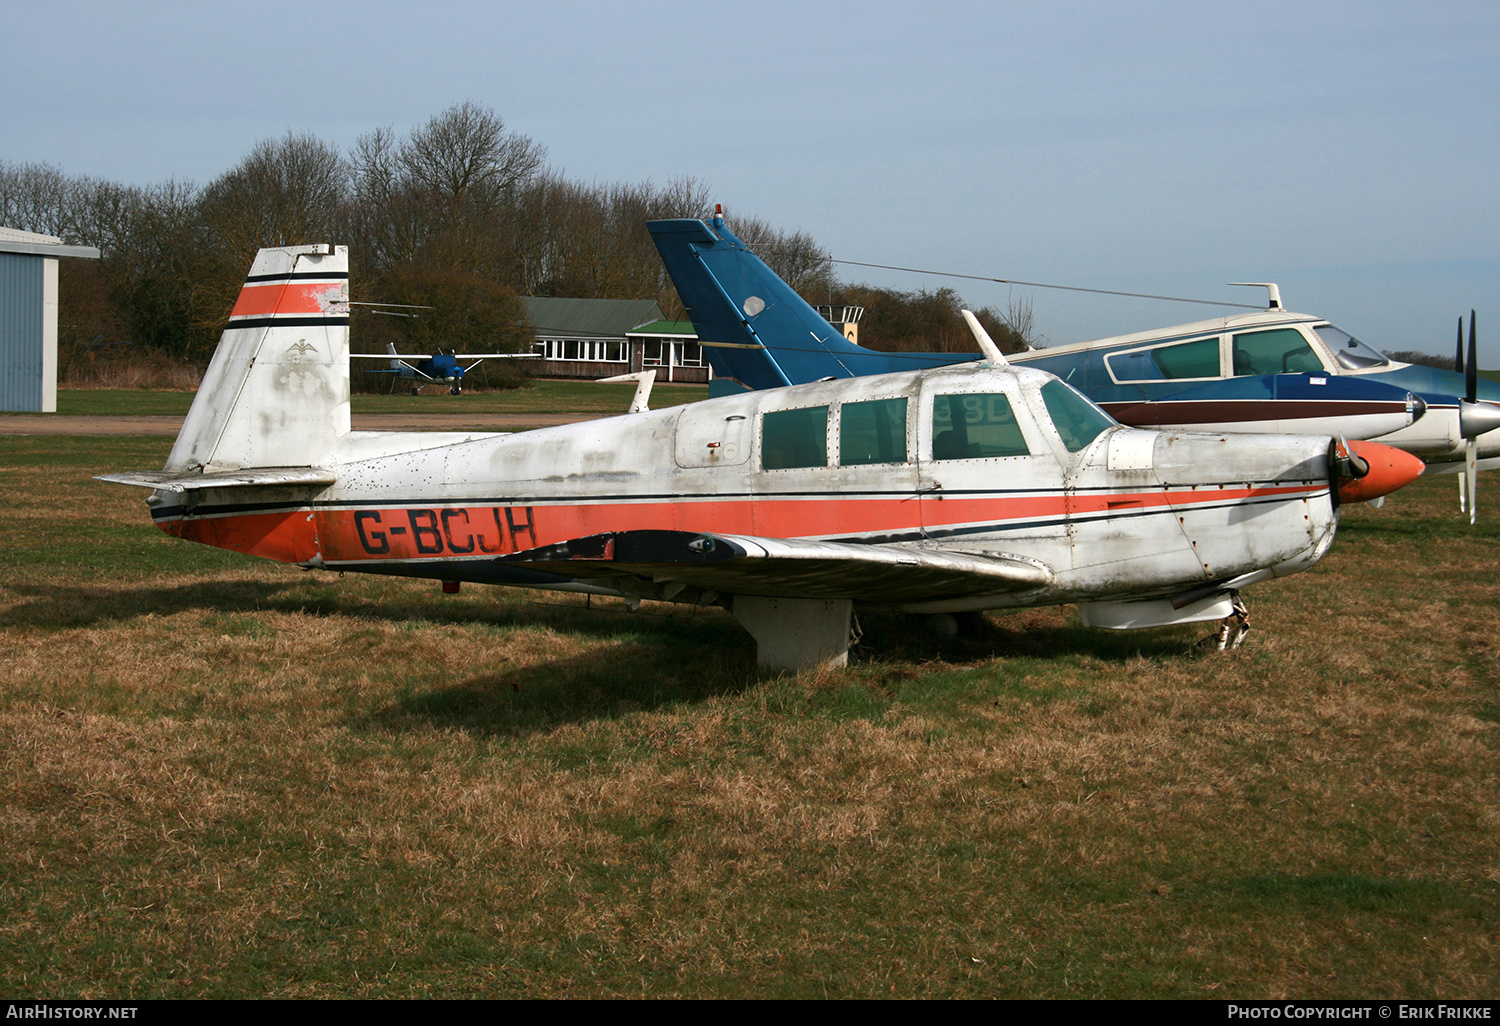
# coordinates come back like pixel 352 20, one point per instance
pixel 1043 285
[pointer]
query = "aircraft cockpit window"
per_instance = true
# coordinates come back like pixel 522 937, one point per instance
pixel 794 438
pixel 1278 351
pixel 1077 420
pixel 1348 351
pixel 872 432
pixel 975 426
pixel 1196 359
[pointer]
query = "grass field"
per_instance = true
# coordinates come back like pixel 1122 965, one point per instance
pixel 228 778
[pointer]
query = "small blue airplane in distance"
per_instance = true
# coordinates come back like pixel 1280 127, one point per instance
pixel 1271 371
pixel 437 369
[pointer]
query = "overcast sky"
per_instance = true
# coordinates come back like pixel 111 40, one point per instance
pixel 1346 150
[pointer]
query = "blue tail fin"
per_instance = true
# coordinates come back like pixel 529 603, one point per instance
pixel 756 330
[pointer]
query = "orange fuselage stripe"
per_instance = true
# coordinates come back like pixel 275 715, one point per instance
pixel 397 533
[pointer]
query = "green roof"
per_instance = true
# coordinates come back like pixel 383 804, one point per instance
pixel 588 318
pixel 665 328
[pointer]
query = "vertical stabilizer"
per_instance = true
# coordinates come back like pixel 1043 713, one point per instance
pixel 755 328
pixel 276 393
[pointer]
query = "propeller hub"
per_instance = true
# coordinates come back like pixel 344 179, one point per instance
pixel 1475 419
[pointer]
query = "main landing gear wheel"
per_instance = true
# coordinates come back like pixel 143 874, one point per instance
pixel 1232 629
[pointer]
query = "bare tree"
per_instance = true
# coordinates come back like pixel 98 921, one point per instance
pixel 465 157
pixel 33 198
pixel 286 192
pixel 1021 320
pixel 445 195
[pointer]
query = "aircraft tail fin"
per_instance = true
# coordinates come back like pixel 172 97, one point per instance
pixel 276 393
pixel 755 328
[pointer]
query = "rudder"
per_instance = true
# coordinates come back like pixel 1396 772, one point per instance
pixel 276 393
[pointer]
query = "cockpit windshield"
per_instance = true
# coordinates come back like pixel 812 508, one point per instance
pixel 1350 352
pixel 1077 420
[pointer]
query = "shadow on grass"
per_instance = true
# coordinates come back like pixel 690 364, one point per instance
pixel 897 638
pixel 631 677
pixel 66 606
pixel 655 658
pixel 698 658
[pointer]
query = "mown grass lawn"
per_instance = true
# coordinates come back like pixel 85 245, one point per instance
pixel 223 778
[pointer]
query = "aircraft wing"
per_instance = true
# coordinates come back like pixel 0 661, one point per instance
pixel 393 360
pixel 191 481
pixel 787 567
pixel 456 356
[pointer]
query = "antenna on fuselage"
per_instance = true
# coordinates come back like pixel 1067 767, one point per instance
pixel 992 354
pixel 1273 293
pixel 641 402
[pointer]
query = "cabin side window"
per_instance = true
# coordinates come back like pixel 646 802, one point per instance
pixel 1280 351
pixel 1196 359
pixel 975 426
pixel 872 432
pixel 1077 420
pixel 794 438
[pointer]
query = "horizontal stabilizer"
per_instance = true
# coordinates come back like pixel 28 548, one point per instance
pixel 745 565
pixel 259 477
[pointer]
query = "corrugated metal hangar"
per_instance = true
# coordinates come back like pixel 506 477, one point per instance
pixel 28 318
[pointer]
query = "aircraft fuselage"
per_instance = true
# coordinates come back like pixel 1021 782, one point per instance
pixel 1129 513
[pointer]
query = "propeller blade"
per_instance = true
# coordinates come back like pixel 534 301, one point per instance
pixel 1471 368
pixel 1471 476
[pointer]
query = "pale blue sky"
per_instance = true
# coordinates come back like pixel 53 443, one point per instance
pixel 1347 151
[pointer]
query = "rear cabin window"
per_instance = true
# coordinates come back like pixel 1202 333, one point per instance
pixel 1077 420
pixel 794 438
pixel 1196 359
pixel 975 426
pixel 872 432
pixel 1282 351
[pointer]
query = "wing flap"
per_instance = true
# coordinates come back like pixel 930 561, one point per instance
pixel 784 567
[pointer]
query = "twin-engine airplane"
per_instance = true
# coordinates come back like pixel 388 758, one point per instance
pixel 951 489
pixel 437 369
pixel 1261 372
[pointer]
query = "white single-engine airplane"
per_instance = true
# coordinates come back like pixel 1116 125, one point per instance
pixel 950 489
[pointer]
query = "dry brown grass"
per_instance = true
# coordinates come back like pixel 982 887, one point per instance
pixel 223 777
pixel 103 368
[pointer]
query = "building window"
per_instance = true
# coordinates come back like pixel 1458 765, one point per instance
pixel 584 350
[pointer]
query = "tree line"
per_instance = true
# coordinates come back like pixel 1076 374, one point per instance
pixel 460 215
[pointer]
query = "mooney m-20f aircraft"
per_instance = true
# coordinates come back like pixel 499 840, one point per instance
pixel 437 369
pixel 1259 372
pixel 958 488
